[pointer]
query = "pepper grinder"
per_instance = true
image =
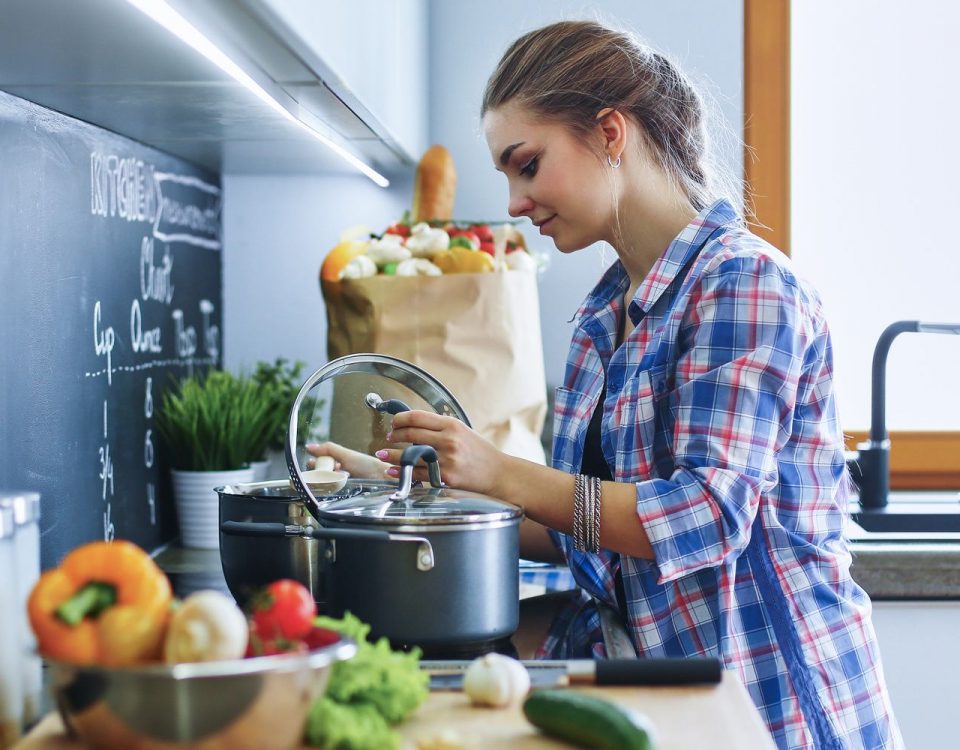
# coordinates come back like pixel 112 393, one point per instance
pixel 26 543
pixel 11 677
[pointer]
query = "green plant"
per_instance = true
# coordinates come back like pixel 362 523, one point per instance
pixel 281 382
pixel 215 422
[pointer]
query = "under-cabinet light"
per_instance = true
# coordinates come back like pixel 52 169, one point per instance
pixel 167 17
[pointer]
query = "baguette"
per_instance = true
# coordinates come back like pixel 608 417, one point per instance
pixel 435 185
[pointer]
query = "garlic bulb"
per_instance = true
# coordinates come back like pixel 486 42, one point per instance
pixel 418 267
pixel 208 626
pixel 360 267
pixel 496 680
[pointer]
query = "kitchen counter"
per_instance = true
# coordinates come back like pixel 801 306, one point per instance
pixel 725 720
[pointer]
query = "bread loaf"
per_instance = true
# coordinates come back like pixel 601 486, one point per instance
pixel 435 185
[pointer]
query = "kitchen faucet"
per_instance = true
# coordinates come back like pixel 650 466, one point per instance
pixel 872 470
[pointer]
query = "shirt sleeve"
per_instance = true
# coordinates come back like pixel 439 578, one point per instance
pixel 741 349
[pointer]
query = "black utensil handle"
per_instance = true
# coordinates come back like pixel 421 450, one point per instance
pixel 393 406
pixel 665 671
pixel 250 528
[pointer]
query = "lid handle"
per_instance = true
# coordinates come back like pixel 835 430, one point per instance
pixel 408 459
pixel 391 406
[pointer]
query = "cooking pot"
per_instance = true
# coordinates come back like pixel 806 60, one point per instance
pixel 423 565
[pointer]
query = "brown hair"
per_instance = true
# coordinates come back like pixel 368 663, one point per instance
pixel 569 71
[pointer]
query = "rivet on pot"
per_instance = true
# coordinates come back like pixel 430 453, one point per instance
pixel 424 557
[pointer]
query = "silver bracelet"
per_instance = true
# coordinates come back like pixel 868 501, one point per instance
pixel 579 502
pixel 595 515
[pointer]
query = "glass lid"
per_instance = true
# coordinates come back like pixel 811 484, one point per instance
pixel 339 421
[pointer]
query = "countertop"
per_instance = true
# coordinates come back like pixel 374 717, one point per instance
pixel 725 719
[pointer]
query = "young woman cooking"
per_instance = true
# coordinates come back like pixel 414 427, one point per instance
pixel 698 490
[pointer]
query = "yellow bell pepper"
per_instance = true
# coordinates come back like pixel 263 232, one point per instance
pixel 107 603
pixel 463 260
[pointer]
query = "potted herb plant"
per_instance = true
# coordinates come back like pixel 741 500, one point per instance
pixel 212 426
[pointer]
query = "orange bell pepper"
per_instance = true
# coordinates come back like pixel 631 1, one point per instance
pixel 108 603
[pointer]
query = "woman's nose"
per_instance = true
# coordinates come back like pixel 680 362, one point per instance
pixel 519 205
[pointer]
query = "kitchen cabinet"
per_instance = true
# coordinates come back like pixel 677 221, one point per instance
pixel 106 62
pixel 381 49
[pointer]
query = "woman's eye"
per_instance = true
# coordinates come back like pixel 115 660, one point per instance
pixel 530 168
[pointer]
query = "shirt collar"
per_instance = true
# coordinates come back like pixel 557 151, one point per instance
pixel 615 282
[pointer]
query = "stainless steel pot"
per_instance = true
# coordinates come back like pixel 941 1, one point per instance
pixel 426 566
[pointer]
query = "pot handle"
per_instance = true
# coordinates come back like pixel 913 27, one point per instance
pixel 425 558
pixel 408 459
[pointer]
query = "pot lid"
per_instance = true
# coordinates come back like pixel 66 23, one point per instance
pixel 423 506
pixel 343 412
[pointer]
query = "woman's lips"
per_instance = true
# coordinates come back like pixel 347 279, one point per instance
pixel 544 225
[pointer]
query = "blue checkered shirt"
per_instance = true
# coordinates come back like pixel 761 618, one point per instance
pixel 720 408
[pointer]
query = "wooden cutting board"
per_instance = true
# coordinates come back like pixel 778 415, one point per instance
pixel 719 717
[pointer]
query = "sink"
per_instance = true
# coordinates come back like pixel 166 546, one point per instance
pixel 912 511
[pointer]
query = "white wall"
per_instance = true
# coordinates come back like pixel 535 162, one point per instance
pixel 467 40
pixel 875 157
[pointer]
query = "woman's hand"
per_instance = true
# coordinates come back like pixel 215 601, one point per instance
pixel 467 461
pixel 358 464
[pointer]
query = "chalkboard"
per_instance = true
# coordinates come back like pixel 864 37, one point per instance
pixel 110 286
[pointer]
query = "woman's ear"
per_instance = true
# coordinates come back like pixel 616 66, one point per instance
pixel 612 127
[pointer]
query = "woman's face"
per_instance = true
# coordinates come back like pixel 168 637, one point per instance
pixel 553 176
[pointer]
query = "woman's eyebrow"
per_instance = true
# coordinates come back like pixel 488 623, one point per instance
pixel 505 156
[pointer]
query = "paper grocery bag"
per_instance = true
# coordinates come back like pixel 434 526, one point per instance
pixel 477 333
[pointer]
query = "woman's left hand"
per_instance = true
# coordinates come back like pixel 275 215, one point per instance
pixel 467 461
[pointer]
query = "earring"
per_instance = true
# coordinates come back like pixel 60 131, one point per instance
pixel 612 163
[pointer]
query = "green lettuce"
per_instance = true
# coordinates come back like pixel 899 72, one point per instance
pixel 377 688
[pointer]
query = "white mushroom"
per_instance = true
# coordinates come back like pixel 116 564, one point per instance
pixel 496 680
pixel 425 241
pixel 418 267
pixel 208 626
pixel 520 260
pixel 389 249
pixel 359 268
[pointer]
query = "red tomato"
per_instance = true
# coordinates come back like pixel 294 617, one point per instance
pixel 284 610
pixel 466 233
pixel 487 247
pixel 320 637
pixel 402 229
pixel 483 231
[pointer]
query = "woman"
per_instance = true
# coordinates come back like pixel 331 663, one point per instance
pixel 699 488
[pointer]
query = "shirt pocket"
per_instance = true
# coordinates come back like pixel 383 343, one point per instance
pixel 571 415
pixel 637 421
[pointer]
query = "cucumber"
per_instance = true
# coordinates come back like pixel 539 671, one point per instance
pixel 588 721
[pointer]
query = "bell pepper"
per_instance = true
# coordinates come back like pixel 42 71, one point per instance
pixel 463 260
pixel 107 603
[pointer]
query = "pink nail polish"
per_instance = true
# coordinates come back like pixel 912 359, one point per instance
pixel 390 435
pixel 381 454
pixel 393 472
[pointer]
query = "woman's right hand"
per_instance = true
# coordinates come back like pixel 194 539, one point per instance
pixel 357 464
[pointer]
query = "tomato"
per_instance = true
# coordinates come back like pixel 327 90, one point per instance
pixel 284 610
pixel 487 247
pixel 483 232
pixel 402 229
pixel 320 637
pixel 471 237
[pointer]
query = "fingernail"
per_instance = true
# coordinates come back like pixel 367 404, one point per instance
pixel 393 471
pixel 381 454
pixel 312 446
pixel 390 435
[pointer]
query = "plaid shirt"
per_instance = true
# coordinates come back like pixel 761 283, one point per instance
pixel 720 408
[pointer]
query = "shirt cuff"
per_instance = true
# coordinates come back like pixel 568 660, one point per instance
pixel 687 527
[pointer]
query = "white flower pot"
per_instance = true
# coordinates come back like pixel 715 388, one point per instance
pixel 260 470
pixel 198 505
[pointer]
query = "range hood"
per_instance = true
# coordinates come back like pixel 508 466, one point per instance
pixel 105 62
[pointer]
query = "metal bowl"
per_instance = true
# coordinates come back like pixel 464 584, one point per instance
pixel 238 704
